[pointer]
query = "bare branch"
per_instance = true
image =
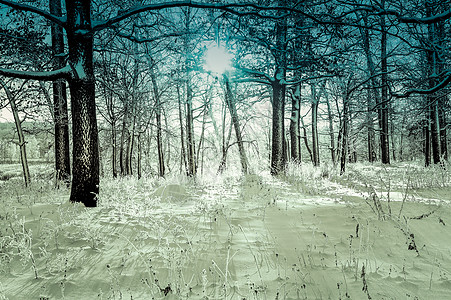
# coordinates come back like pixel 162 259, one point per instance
pixel 61 21
pixel 438 87
pixel 254 9
pixel 65 72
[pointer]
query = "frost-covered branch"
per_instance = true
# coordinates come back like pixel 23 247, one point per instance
pixel 253 9
pixel 436 88
pixel 61 21
pixel 65 72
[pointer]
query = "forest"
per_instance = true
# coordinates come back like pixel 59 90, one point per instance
pixel 225 150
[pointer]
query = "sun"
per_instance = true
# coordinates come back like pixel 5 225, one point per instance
pixel 218 60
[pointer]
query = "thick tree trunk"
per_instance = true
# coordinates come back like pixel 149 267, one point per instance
pixel 278 159
pixel 278 151
pixel 230 100
pixel 60 114
pixel 295 133
pixel 85 179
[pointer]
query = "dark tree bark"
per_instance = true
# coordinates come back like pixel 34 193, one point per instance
pixel 85 179
pixel 373 96
pixel 278 151
pixel 60 114
pixel 295 133
pixel 383 105
pixel 182 134
pixel 315 142
pixel 345 137
pixel 156 92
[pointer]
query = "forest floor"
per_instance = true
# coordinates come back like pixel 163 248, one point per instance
pixel 375 233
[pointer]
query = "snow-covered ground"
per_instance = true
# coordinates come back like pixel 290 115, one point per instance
pixel 377 232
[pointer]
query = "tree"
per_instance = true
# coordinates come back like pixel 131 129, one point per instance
pixel 60 114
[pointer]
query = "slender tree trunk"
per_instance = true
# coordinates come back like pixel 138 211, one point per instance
pixel 62 160
pixel 295 134
pixel 384 119
pixel 22 143
pixel 190 132
pixel 124 138
pixel 156 92
pixel 344 141
pixel 373 96
pixel 304 137
pixel 139 156
pixel 230 100
pixel 182 133
pixel 114 144
pixel 331 131
pixel 85 179
pixel 432 99
pixel 315 143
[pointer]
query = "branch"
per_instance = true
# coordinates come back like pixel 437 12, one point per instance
pixel 223 7
pixel 65 72
pixel 432 90
pixel 61 21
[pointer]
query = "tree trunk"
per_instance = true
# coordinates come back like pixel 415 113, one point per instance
pixel 161 168
pixel 230 100
pixel 124 138
pixel 190 143
pixel 432 99
pixel 22 143
pixel 331 131
pixel 139 156
pixel 344 139
pixel 373 96
pixel 182 133
pixel 295 134
pixel 315 143
pixel 85 179
pixel 278 151
pixel 383 107
pixel 114 144
pixel 60 114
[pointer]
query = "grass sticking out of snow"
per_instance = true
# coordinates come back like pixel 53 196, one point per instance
pixel 377 232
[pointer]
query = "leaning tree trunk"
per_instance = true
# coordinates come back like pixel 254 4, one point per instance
pixel 85 179
pixel 23 150
pixel 236 124
pixel 60 115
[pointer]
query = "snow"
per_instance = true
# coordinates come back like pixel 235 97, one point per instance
pixel 309 235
